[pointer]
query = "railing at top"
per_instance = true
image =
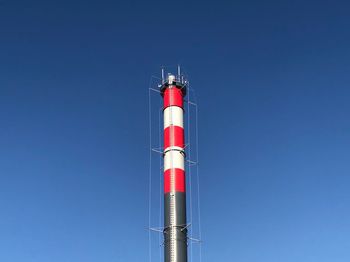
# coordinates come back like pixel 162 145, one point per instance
pixel 179 77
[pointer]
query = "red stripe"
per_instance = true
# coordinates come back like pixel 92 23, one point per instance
pixel 173 97
pixel 179 180
pixel 174 136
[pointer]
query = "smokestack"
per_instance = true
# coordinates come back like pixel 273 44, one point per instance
pixel 173 90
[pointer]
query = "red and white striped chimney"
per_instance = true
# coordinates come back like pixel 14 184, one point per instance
pixel 175 225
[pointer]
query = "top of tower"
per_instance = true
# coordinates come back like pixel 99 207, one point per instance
pixel 173 81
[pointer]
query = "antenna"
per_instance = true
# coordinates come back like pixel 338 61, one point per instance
pixel 162 75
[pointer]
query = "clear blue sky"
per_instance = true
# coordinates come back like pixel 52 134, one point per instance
pixel 272 79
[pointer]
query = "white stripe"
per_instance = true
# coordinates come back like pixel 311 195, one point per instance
pixel 173 115
pixel 174 159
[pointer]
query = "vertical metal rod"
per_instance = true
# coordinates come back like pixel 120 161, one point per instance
pixel 150 176
pixel 189 149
